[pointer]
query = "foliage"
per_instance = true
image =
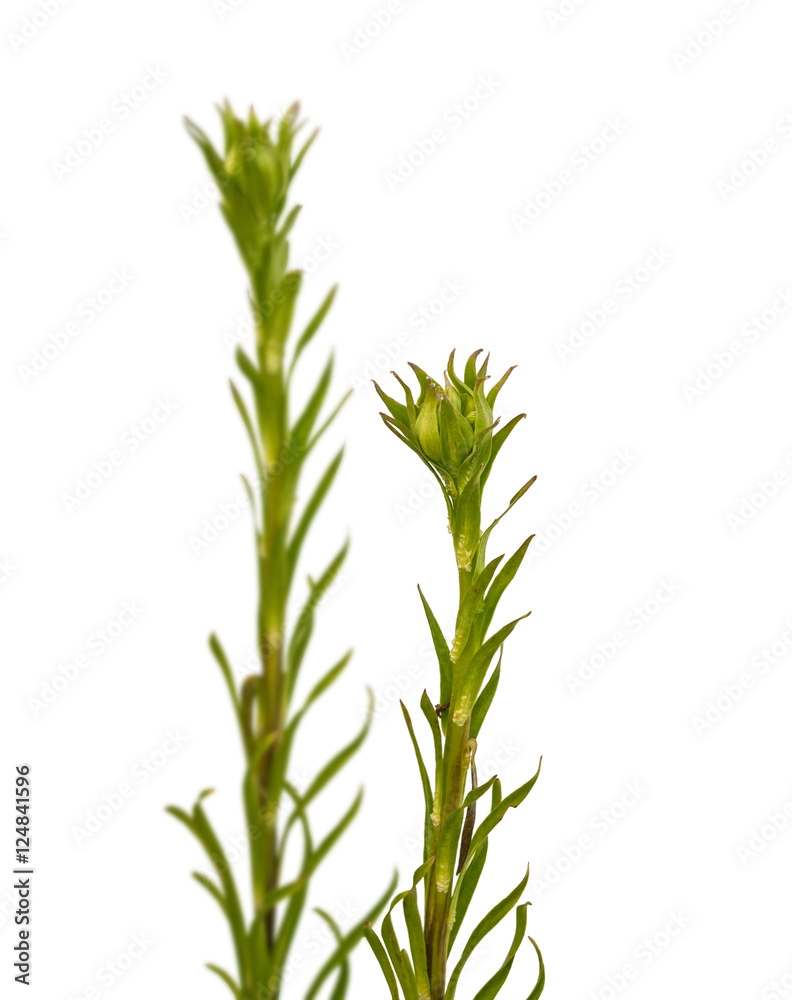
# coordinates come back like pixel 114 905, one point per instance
pixel 452 430
pixel 254 174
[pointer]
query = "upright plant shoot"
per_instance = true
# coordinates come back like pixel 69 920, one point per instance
pixel 254 174
pixel 450 426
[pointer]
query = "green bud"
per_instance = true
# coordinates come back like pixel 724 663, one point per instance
pixel 450 426
pixel 427 429
pixel 452 394
pixel 456 435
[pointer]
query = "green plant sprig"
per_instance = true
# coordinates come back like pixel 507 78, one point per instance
pixel 452 429
pixel 254 174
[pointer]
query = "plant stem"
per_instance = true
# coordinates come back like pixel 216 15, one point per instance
pixel 253 172
pixel 455 766
pixel 451 427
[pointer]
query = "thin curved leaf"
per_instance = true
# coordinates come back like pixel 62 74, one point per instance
pixel 493 986
pixel 318 855
pixel 536 992
pixel 303 628
pixel 309 513
pixel 484 700
pixel 313 326
pixel 227 979
pixel 498 441
pixel 441 648
pixel 502 581
pixel 463 893
pixel 477 668
pixel 251 431
pixel 415 934
pixel 301 432
pixel 212 889
pixel 484 926
pixel 348 941
pixel 425 783
pixel 430 713
pixel 345 754
pixel 384 962
pixel 497 813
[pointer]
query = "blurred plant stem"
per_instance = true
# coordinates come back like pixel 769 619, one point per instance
pixel 254 174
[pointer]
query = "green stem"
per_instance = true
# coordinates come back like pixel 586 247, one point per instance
pixel 455 766
pixel 272 610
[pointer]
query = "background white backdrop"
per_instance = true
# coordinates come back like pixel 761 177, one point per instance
pixel 618 169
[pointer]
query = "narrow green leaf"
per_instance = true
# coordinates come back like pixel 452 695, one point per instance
pixel 463 893
pixel 342 980
pixel 441 648
pixel 301 155
pixel 536 992
pixel 497 813
pixel 471 376
pixel 384 962
pixel 323 849
pixel 400 960
pixel 333 414
pixel 227 979
pixel 484 700
pixel 502 581
pixel 425 783
pixel 309 513
pixel 213 159
pixel 411 411
pixel 493 986
pixel 301 432
pixel 412 919
pixel 212 889
pixel 478 792
pixel 430 713
pixel 313 326
pixel 498 441
pixel 303 627
pixel 251 431
pixel 497 796
pixel 342 983
pixel 521 492
pixel 225 666
pixel 322 685
pixel 284 751
pixel 213 847
pixel 294 908
pixel 492 395
pixel 248 369
pixel 517 496
pixel 407 438
pixel 252 502
pixel 334 765
pixel 398 410
pixel 477 668
pixel 182 817
pixel 489 922
pixel 459 385
pixel 349 940
pixel 288 222
pixel 423 381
